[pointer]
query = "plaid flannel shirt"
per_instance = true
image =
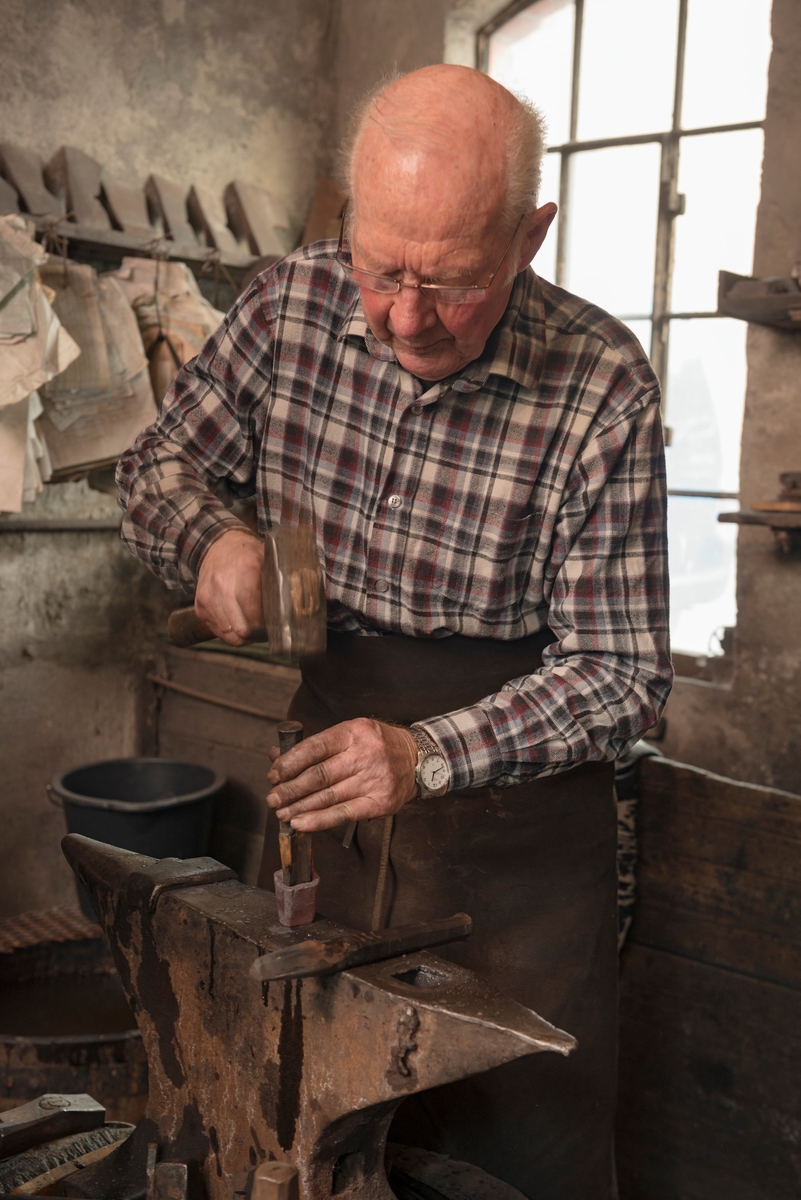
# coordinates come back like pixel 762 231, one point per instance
pixel 528 490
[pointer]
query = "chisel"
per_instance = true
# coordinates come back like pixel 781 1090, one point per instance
pixel 296 847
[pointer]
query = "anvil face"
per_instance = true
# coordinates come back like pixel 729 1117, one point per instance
pixel 308 1071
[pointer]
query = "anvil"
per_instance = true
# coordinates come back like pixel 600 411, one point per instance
pixel 307 1071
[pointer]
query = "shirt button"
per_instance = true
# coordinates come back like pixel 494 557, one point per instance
pixel 417 409
pixel 394 502
pixel 382 586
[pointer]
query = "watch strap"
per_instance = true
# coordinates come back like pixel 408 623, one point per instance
pixel 425 744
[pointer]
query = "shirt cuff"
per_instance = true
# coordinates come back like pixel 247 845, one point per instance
pixel 202 533
pixel 469 746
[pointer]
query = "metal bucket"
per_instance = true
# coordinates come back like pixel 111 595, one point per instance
pixel 156 806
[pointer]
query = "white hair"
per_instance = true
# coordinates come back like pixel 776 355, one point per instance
pixel 525 142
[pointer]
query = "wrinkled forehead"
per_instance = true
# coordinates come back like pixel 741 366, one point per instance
pixel 409 189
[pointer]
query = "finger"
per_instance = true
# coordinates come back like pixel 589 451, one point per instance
pixel 340 793
pixel 361 809
pixel 317 779
pixel 309 753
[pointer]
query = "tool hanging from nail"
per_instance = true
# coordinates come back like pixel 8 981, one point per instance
pixel 296 882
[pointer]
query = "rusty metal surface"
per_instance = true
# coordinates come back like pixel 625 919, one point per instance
pixel 308 1071
pixel 59 924
pixel 357 949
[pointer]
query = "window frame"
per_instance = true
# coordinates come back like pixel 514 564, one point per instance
pixel 671 202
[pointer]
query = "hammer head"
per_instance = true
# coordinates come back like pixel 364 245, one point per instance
pixel 293 592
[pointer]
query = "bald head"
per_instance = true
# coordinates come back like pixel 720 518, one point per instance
pixel 452 129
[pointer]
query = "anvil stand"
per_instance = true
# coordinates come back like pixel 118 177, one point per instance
pixel 307 1071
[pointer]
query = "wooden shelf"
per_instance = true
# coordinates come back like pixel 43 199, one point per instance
pixel 775 302
pixel 112 244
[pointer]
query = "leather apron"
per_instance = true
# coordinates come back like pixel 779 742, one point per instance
pixel 535 867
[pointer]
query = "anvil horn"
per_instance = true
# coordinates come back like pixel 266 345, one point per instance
pixel 308 1071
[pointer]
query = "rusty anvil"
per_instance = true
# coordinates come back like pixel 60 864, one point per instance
pixel 309 1071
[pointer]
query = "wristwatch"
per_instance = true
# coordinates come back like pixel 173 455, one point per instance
pixel 431 773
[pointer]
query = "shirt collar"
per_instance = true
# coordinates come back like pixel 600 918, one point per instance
pixel 514 349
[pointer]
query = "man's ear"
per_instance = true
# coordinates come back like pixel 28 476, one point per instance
pixel 537 225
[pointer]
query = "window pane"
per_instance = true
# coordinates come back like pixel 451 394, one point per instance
pixel 704 403
pixel 533 54
pixel 702 572
pixel 720 175
pixel 628 67
pixel 545 262
pixel 726 62
pixel 614 196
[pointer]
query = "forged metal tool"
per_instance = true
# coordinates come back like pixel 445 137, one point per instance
pixel 296 883
pixel 358 949
pixel 51 1116
pixel 306 1071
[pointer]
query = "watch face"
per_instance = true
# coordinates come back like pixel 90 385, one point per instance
pixel 433 772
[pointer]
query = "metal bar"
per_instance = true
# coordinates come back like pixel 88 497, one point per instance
pixel 734 128
pixel 681 45
pixel 695 316
pixel 54 525
pixel 638 139
pixel 578 29
pixel 703 495
pixel 564 172
pixel 206 698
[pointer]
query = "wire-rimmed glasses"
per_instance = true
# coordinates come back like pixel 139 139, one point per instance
pixel 443 293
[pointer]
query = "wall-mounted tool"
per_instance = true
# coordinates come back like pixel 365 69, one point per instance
pixel 293 598
pixel 782 515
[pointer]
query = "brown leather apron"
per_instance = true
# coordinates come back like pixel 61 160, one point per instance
pixel 534 865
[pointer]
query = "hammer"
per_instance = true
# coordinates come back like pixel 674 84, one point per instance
pixel 293 598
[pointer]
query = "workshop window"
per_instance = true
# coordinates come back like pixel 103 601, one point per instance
pixel 655 111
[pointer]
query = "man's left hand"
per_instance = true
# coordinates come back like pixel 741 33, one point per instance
pixel 354 771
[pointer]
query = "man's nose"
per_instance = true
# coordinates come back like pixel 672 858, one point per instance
pixel 412 311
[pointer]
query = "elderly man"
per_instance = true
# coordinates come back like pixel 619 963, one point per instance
pixel 482 455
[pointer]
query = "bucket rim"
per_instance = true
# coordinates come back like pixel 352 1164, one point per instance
pixel 70 797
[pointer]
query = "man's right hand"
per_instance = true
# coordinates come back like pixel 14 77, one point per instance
pixel 228 595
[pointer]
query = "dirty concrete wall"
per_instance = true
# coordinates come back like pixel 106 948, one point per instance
pixel 752 728
pixel 195 90
pixel 78 617
pixel 199 91
pixel 377 37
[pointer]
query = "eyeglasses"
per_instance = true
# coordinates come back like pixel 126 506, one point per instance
pixel 444 293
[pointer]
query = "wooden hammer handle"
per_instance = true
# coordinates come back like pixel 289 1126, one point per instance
pixel 185 628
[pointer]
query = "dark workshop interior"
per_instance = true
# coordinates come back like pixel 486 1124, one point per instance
pixel 573 972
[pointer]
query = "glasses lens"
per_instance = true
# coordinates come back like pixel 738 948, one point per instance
pixel 444 295
pixel 374 283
